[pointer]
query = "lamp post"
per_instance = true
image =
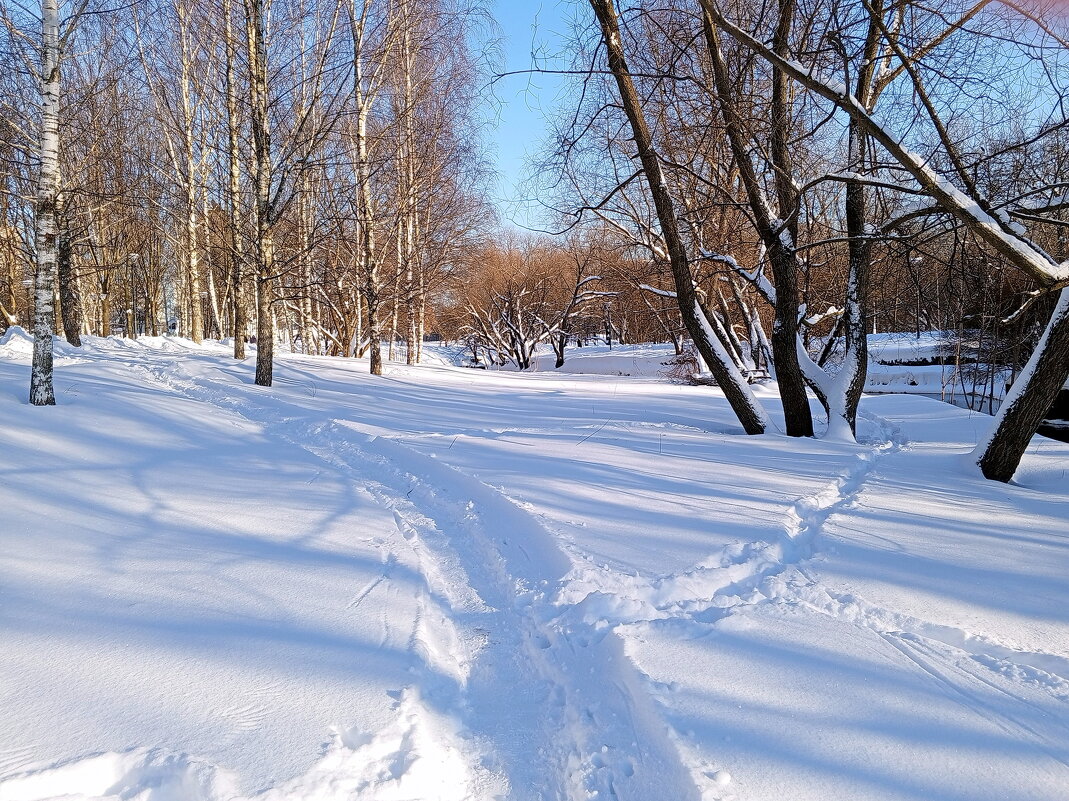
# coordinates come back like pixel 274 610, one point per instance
pixel 131 317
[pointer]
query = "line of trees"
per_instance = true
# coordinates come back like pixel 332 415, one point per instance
pixel 230 168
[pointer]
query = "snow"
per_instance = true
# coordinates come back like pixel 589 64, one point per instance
pixel 649 361
pixel 458 584
pixel 906 347
pixel 942 380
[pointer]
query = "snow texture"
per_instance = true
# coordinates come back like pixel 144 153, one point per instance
pixel 448 584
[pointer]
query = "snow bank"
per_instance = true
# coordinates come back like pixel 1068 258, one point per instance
pixel 648 361
pixel 907 348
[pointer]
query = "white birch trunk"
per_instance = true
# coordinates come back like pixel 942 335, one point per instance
pixel 41 390
pixel 237 255
pixel 192 253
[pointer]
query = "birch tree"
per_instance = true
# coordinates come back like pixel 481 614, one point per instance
pixel 233 186
pixel 279 162
pixel 41 389
pixel 368 76
pixel 47 70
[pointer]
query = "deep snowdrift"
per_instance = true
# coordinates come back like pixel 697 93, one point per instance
pixel 452 584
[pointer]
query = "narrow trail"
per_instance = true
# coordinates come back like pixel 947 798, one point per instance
pixel 547 705
pixel 740 574
pixel 1027 688
pixel 1048 671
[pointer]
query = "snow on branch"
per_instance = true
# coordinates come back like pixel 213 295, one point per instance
pixel 967 209
pixel 756 278
pixel 814 319
pixel 664 293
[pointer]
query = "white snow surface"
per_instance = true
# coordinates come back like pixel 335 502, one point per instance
pixel 451 584
pixel 650 360
pixel 899 347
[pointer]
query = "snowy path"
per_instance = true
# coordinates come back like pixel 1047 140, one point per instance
pixel 556 693
pixel 593 588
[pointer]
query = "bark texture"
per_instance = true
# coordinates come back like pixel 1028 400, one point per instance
pixel 70 300
pixel 256 30
pixel 41 390
pixel 1030 398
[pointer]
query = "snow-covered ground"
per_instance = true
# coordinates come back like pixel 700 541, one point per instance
pixel 903 347
pixel 648 360
pixel 456 584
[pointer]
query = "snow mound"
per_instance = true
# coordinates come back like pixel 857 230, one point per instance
pixel 138 775
pixel 16 341
pixel 646 361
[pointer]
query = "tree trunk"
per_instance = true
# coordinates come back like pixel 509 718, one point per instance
pixel 70 300
pixel 261 135
pixel 304 234
pixel 396 300
pixel 739 395
pixel 1030 398
pixel 105 311
pixel 560 345
pixel 406 169
pixel 366 254
pixel 41 390
pixel 778 235
pixel 855 325
pixel 192 253
pixel 237 287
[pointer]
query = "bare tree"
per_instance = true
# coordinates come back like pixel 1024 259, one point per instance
pixel 742 400
pixel 1035 389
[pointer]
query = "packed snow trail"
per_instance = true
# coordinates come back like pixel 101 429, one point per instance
pixel 559 692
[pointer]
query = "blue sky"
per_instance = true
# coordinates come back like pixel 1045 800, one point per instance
pixel 533 31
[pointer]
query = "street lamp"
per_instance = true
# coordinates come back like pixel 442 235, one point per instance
pixel 131 317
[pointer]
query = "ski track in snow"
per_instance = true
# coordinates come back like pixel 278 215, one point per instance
pixel 491 632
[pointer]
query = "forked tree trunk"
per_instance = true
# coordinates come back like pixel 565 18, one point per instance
pixel 778 235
